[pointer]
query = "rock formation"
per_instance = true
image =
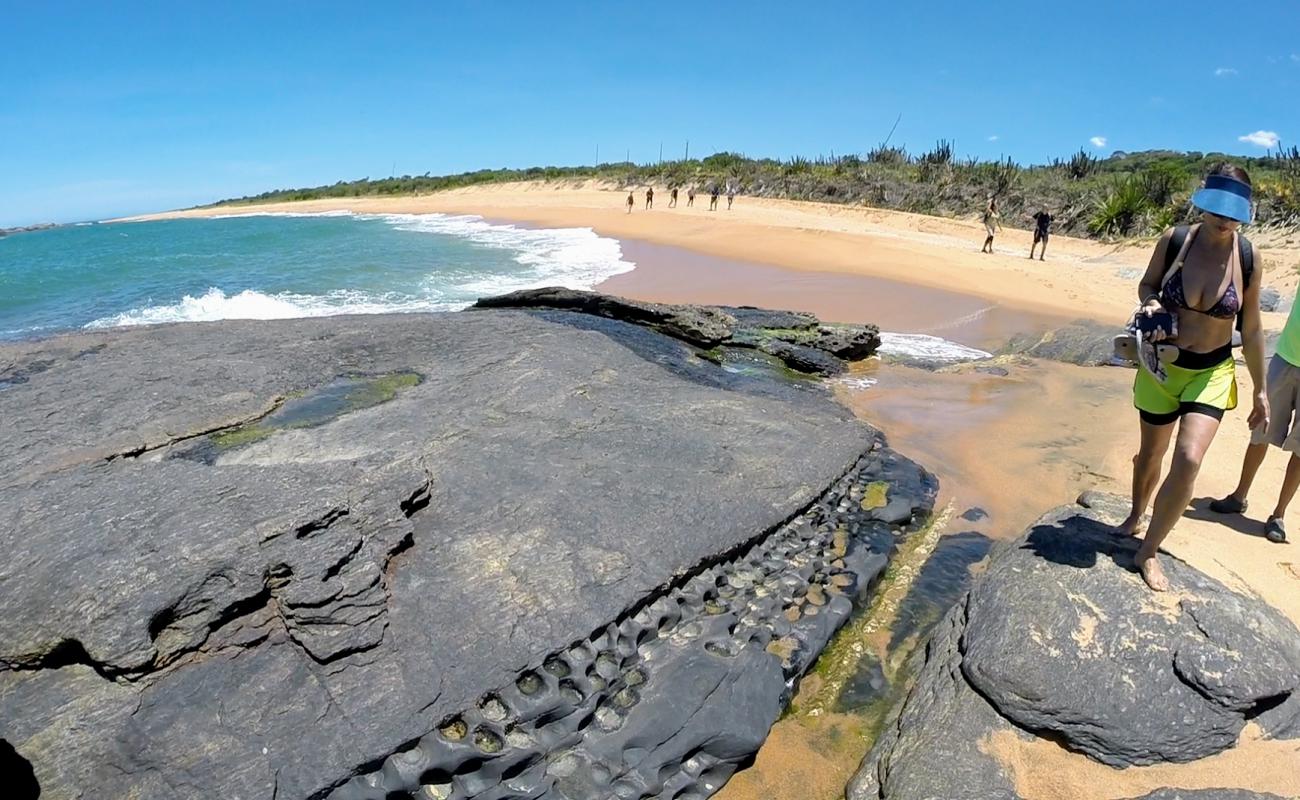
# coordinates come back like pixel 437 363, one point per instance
pixel 489 554
pixel 1060 640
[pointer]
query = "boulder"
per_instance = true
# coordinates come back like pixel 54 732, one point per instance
pixel 1082 342
pixel 1060 639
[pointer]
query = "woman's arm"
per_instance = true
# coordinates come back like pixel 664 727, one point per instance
pixel 1252 344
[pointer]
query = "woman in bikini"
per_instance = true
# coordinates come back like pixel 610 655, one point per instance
pixel 1205 290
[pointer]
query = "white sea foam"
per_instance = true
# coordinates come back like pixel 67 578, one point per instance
pixel 576 258
pixel 928 348
pixel 855 382
pixel 248 304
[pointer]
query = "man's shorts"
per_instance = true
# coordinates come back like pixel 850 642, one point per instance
pixel 1194 386
pixel 1283 399
pixel 1040 236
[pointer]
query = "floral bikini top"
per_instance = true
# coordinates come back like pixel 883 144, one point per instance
pixel 1174 295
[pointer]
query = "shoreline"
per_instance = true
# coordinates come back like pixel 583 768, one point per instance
pixel 932 252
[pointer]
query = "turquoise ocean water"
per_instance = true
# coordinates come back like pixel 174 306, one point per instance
pixel 277 266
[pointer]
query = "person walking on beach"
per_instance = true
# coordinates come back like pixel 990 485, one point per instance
pixel 1042 226
pixel 731 197
pixel 713 198
pixel 991 224
pixel 1283 401
pixel 649 198
pixel 630 202
pixel 672 198
pixel 690 196
pixel 1199 280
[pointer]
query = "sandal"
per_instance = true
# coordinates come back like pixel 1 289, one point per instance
pixel 1125 347
pixel 1228 505
pixel 1274 530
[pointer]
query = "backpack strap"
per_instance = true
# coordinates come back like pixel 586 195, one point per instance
pixel 1175 245
pixel 1247 256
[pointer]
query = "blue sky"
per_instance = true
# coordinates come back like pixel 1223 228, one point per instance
pixel 110 109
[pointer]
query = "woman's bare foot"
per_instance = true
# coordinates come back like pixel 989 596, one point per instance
pixel 1131 526
pixel 1152 573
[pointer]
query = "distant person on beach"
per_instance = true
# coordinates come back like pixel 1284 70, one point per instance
pixel 649 198
pixel 690 197
pixel 1283 402
pixel 991 224
pixel 1200 280
pixel 731 197
pixel 713 199
pixel 672 198
pixel 630 202
pixel 1042 227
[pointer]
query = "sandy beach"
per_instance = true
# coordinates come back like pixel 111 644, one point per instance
pixel 1013 445
pixel 1080 278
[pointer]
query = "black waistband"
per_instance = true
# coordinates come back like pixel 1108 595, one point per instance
pixel 1188 359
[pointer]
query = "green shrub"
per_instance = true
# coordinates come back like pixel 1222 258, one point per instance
pixel 1121 210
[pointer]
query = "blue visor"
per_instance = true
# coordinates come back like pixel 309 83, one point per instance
pixel 1227 197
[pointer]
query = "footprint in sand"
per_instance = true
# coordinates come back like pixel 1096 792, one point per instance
pixel 1290 569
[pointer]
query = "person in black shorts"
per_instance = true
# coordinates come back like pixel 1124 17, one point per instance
pixel 672 198
pixel 1042 226
pixel 690 197
pixel 649 198
pixel 630 202
pixel 713 199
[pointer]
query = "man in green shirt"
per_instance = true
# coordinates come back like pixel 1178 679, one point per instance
pixel 1282 431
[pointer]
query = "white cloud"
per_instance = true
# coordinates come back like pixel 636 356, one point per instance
pixel 993 138
pixel 1264 139
pixel 1295 57
pixel 1222 71
pixel 1098 141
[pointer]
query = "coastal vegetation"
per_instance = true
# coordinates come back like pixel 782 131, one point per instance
pixel 1124 195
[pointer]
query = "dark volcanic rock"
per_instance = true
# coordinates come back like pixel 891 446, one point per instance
pixel 852 343
pixel 798 339
pixel 1083 342
pixel 1060 638
pixel 1149 682
pixel 404 590
pixel 702 326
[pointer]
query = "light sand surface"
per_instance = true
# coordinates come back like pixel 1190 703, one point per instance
pixel 1043 770
pixel 1015 444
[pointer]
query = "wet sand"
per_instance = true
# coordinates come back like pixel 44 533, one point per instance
pixel 668 274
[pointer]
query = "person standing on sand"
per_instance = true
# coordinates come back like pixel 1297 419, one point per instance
pixel 690 196
pixel 731 197
pixel 713 198
pixel 630 202
pixel 1204 276
pixel 991 224
pixel 1283 402
pixel 672 198
pixel 1042 226
pixel 650 198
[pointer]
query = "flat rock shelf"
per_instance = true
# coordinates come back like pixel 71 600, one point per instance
pixel 491 554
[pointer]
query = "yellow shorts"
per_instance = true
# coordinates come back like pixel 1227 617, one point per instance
pixel 1208 390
